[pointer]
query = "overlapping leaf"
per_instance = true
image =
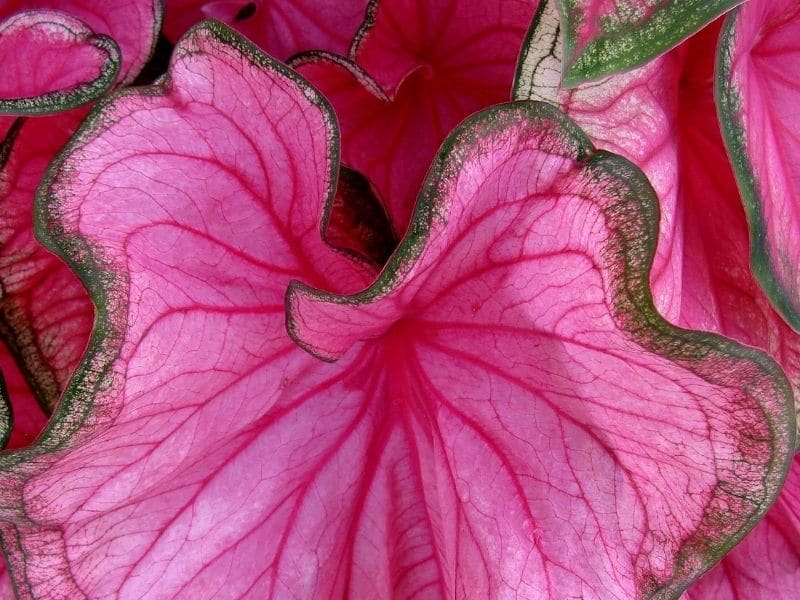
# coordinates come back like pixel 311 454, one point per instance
pixel 715 289
pixel 603 37
pixel 758 93
pixel 132 24
pixel 52 62
pixel 280 27
pixel 416 70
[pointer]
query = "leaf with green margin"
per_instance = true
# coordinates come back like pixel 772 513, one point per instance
pixel 133 24
pixel 45 313
pixel 52 62
pixel 757 89
pixel 521 283
pixel 604 37
pixel 632 114
pixel 715 291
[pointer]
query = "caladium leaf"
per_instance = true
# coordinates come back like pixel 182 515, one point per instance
pixel 133 25
pixel 512 312
pixel 758 84
pixel 602 37
pixel 218 459
pixel 52 62
pixel 691 173
pixel 280 27
pixel 45 313
pixel 632 114
pixel 416 70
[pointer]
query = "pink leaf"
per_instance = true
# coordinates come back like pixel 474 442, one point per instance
pixel 517 360
pixel 417 70
pixel 516 315
pixel 281 27
pixel 133 24
pixel 690 171
pixel 52 62
pixel 758 89
pixel 603 37
pixel 6 589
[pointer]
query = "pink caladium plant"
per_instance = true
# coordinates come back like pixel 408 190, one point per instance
pixel 455 394
pixel 362 328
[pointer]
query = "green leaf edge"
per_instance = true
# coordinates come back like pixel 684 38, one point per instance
pixel 729 108
pixel 633 47
pixel 83 93
pixel 107 287
pixel 633 304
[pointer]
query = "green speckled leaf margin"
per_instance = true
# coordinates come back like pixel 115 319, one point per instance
pixel 634 216
pixel 626 45
pixel 106 286
pixel 62 100
pixel 729 107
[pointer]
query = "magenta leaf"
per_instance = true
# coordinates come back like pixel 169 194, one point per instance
pixel 280 27
pixel 6 589
pixel 758 84
pixel 45 313
pixel 766 566
pixel 603 37
pixel 52 62
pixel 417 69
pixel 133 24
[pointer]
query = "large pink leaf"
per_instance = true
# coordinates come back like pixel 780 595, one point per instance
pixel 45 313
pixel 280 27
pixel 217 459
pixel 759 84
pixel 52 62
pixel 607 36
pixel 417 70
pixel 133 24
pixel 516 313
pixel 690 171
